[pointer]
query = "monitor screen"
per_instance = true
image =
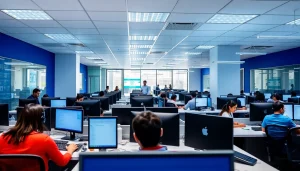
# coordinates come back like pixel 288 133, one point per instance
pixel 243 101
pixel 223 96
pixel 177 97
pixel 288 110
pixel 209 102
pixel 297 112
pixel 247 94
pixel 201 102
pixel 170 95
pixel 267 95
pixel 95 94
pixel 285 97
pixel 58 103
pixel 69 120
pixel 102 132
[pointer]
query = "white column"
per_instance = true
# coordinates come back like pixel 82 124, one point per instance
pixel 194 79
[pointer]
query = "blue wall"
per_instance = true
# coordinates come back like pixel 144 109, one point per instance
pixel 83 71
pixel 204 71
pixel 288 57
pixel 19 50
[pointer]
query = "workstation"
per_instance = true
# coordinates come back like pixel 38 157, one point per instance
pixel 175 58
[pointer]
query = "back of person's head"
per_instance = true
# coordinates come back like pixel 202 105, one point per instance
pixel 163 95
pixel 230 94
pixel 147 129
pixel 260 97
pixel 101 93
pixel 276 96
pixel 31 119
pixel 36 90
pixel 277 106
pixel 227 106
pixel 193 94
pixel 256 93
pixel 79 96
pixel 293 94
pixel 45 95
pixel 107 87
pixel 242 91
pixel 173 97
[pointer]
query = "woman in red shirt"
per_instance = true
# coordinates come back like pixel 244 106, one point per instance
pixel 27 137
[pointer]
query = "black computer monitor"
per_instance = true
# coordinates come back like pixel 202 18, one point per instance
pixel 187 98
pixel 124 114
pixel 142 101
pixel 90 107
pixel 46 116
pixel 70 101
pixel 258 111
pixel 69 120
pixel 221 101
pixel 294 100
pixel 250 99
pixel 203 132
pixel 242 101
pixel 23 102
pixel 58 103
pixel 170 125
pixel 104 102
pixel 4 115
pixel 201 102
pixel 103 132
pixel 53 113
pixel 46 101
pixel 289 110
pixel 110 99
pixel 175 161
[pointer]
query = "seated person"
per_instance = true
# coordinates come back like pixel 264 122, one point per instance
pixel 27 137
pixel 147 130
pixel 192 103
pixel 260 98
pixel 239 103
pixel 35 95
pixel 117 88
pixel 173 100
pixel 242 93
pixel 228 110
pixel 163 97
pixel 79 98
pixel 45 95
pixel 101 94
pixel 274 98
pixel 293 94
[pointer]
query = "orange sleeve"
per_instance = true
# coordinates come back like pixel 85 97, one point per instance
pixel 55 155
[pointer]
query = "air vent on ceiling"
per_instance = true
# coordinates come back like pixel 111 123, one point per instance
pixel 157 52
pixel 148 63
pixel 181 26
pixel 257 47
pixel 76 44
pixel 52 45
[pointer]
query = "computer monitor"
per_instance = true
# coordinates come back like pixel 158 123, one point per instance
pixel 201 102
pixel 58 103
pixel 187 98
pixel 285 97
pixel 170 125
pixel 243 101
pixel 142 101
pixel 95 94
pixel 294 100
pixel 258 111
pixel 297 112
pixel 110 98
pixel 247 94
pixel 250 99
pixel 289 110
pixel 223 96
pixel 221 101
pixel 209 103
pixel 69 120
pixel 104 102
pixel 103 132
pixel 90 107
pixel 70 101
pixel 267 95
pixel 170 161
pixel 46 101
pixel 4 115
pixel 203 132
pixel 23 102
pixel 177 96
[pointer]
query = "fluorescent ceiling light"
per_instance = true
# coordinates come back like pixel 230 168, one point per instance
pixel 137 59
pixel 204 65
pixel 100 62
pixel 229 62
pixel 230 19
pixel 138 53
pixel 140 46
pixel 204 47
pixel 171 64
pixel 142 37
pixel 18 63
pixel 84 51
pixel 294 22
pixel 279 69
pixel 10 70
pixel 148 17
pixel 193 53
pixel 278 37
pixel 93 58
pixel 103 64
pixel 27 14
pixel 60 36
pixel 180 59
pixel 251 53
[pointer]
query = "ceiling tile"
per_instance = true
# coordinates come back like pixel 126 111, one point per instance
pixel 151 5
pixel 175 32
pixel 83 31
pixel 254 27
pixel 225 39
pixel 199 38
pixel 144 32
pixel 58 4
pixel 114 31
pixel 4 16
pixel 176 17
pixel 150 26
pixel 111 5
pixel 88 37
pixel 250 7
pixel 11 23
pixel 271 19
pixel 240 33
pixel 207 33
pixel 18 4
pixel 141 42
pixel 116 25
pixel 68 15
pixel 108 16
pixel 113 37
pixel 44 23
pixel 77 24
pixel 196 6
pixel 52 30
pixel 92 41
pixel 273 33
pixel 19 30
pixel 218 26
pixel 287 9
pixel 288 28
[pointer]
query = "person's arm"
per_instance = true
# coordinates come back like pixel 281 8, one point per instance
pixel 148 90
pixel 263 126
pixel 186 106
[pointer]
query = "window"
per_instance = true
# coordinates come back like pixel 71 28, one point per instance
pixel 150 77
pixel 132 80
pixel 164 78
pixel 180 79
pixel 114 78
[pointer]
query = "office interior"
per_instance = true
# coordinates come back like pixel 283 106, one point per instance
pixel 215 48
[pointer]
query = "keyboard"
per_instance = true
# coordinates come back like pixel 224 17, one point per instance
pixel 84 138
pixel 62 145
pixel 242 158
pixel 257 128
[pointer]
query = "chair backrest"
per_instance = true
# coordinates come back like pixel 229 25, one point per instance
pixel 293 144
pixel 170 105
pixel 276 139
pixel 21 162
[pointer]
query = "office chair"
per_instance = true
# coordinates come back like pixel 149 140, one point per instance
pixel 170 105
pixel 21 162
pixel 293 146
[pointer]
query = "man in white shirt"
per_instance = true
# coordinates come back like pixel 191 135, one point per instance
pixel 173 100
pixel 145 89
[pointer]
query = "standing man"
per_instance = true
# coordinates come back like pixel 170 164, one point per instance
pixel 106 90
pixel 35 95
pixel 145 89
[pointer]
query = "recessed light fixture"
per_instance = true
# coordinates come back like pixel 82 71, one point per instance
pixel 60 36
pixel 93 58
pixel 103 64
pixel 137 59
pixel 100 62
pixel 140 46
pixel 142 37
pixel 18 63
pixel 251 53
pixel 27 14
pixel 84 51
pixel 138 53
pixel 148 17
pixel 294 22
pixel 279 37
pixel 204 47
pixel 230 19
pixel 193 53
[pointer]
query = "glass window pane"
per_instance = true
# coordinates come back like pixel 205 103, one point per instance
pixel 180 79
pixel 114 78
pixel 150 77
pixel 132 80
pixel 164 78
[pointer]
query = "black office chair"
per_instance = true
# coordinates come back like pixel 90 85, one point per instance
pixel 293 147
pixel 170 105
pixel 21 162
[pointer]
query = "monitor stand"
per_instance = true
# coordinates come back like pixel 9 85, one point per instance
pixel 71 137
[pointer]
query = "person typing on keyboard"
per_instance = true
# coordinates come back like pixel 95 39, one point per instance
pixel 227 111
pixel 27 137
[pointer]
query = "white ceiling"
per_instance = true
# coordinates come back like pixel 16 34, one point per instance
pixel 102 26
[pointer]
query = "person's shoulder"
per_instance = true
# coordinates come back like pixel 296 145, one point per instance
pixel 39 136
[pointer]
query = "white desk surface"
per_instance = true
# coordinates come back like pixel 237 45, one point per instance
pixel 209 111
pixel 247 132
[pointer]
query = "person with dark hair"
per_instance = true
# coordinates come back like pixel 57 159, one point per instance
pixel 242 93
pixel 292 87
pixel 277 119
pixel 79 98
pixel 145 89
pixel 256 93
pixel 170 86
pixel 173 100
pixel 274 98
pixel 147 129
pixel 157 87
pixel 260 98
pixel 293 94
pixel 227 111
pixel 101 94
pixel 45 95
pixel 192 103
pixel 106 90
pixel 35 95
pixel 239 103
pixel 27 137
pixel 116 88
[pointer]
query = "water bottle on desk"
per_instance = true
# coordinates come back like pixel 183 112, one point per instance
pixel 119 133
